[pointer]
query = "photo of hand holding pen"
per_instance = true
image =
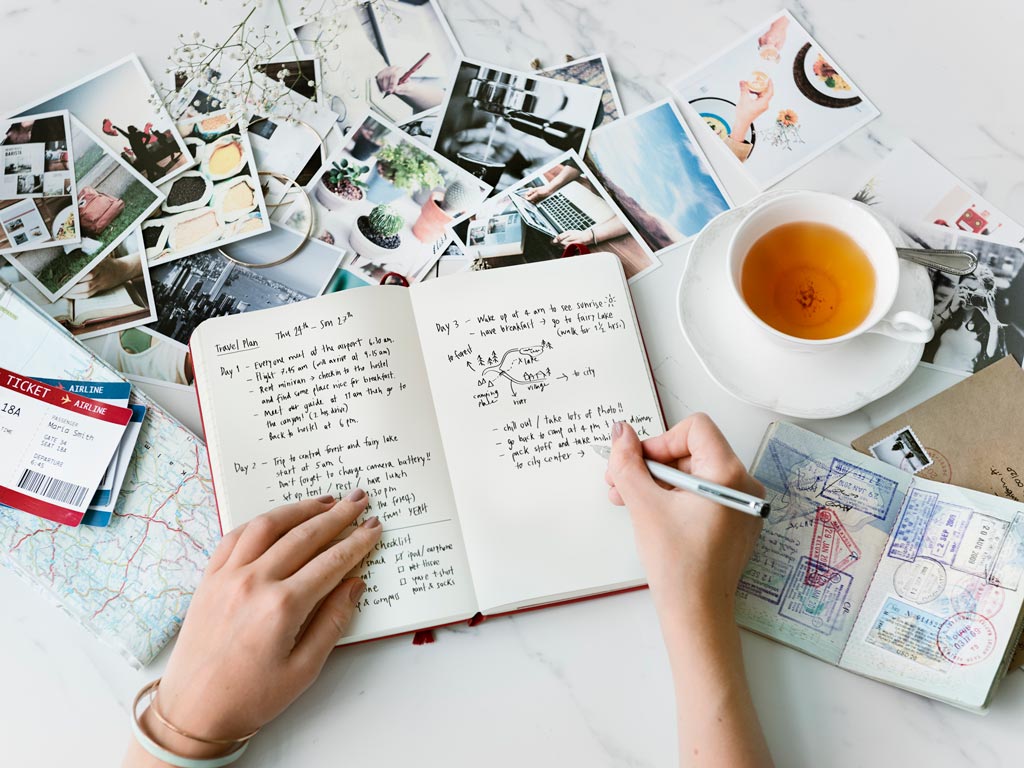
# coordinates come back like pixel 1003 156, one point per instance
pixel 421 96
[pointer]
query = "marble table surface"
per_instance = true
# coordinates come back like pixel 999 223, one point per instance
pixel 586 684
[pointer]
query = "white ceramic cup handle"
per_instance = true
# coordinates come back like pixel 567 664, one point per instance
pixel 905 326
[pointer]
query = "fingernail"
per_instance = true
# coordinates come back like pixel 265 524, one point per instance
pixel 356 591
pixel 325 499
pixel 616 430
pixel 371 522
pixel 355 495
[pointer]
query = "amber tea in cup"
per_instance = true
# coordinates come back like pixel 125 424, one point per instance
pixel 808 279
pixel 816 270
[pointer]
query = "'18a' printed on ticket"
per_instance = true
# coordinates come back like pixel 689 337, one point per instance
pixel 56 446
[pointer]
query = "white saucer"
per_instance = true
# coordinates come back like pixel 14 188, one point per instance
pixel 752 366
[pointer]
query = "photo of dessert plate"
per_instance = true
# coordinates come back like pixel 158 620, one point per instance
pixel 234 198
pixel 194 228
pixel 224 158
pixel 750 364
pixel 837 95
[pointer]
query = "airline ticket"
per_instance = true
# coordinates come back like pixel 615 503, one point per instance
pixel 55 447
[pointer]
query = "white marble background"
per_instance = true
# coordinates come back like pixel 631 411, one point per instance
pixel 581 685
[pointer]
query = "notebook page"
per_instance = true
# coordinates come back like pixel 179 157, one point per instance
pixel 528 365
pixel 328 395
pixel 944 606
pixel 831 512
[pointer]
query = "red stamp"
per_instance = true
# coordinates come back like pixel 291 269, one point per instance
pixel 940 469
pixel 977 596
pixel 966 638
pixel 831 545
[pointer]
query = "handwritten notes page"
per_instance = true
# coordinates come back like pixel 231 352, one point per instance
pixel 527 370
pixel 329 395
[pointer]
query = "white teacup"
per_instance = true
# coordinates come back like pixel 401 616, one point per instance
pixel 856 221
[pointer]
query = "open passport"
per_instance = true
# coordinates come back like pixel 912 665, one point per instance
pixel 909 581
pixel 465 407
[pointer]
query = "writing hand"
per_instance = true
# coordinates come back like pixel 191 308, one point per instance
pixel 691 548
pixel 387 79
pixel 418 95
pixel 694 552
pixel 272 604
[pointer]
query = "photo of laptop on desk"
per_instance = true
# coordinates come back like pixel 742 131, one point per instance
pixel 572 207
pixel 568 209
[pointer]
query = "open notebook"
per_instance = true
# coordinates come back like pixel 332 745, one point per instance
pixel 464 406
pixel 905 580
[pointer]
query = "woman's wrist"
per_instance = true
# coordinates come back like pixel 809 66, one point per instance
pixel 704 631
pixel 178 744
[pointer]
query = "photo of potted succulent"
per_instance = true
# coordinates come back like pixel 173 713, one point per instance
pixel 376 236
pixel 435 214
pixel 402 168
pixel 341 184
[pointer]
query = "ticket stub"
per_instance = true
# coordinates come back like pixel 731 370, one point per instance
pixel 54 447
pixel 115 392
pixel 100 515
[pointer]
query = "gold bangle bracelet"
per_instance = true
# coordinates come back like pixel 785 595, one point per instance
pixel 152 688
pixel 304 235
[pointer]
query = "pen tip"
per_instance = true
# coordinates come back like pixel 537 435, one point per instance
pixel 601 450
pixel 765 510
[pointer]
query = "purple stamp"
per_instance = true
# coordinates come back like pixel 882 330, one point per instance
pixel 818 602
pixel 849 485
pixel 917 513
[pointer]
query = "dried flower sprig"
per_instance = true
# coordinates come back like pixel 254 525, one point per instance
pixel 231 74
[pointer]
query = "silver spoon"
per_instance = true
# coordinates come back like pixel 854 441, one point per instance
pixel 955 262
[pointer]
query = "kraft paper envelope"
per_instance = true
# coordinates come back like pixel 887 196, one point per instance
pixel 971 435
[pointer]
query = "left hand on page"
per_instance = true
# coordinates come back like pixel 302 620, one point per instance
pixel 272 604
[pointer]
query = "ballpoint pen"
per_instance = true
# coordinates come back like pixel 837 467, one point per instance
pixel 412 71
pixel 719 494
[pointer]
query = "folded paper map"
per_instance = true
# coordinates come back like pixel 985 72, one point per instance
pixel 129 583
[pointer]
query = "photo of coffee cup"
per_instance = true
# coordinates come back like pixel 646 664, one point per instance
pixel 814 269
